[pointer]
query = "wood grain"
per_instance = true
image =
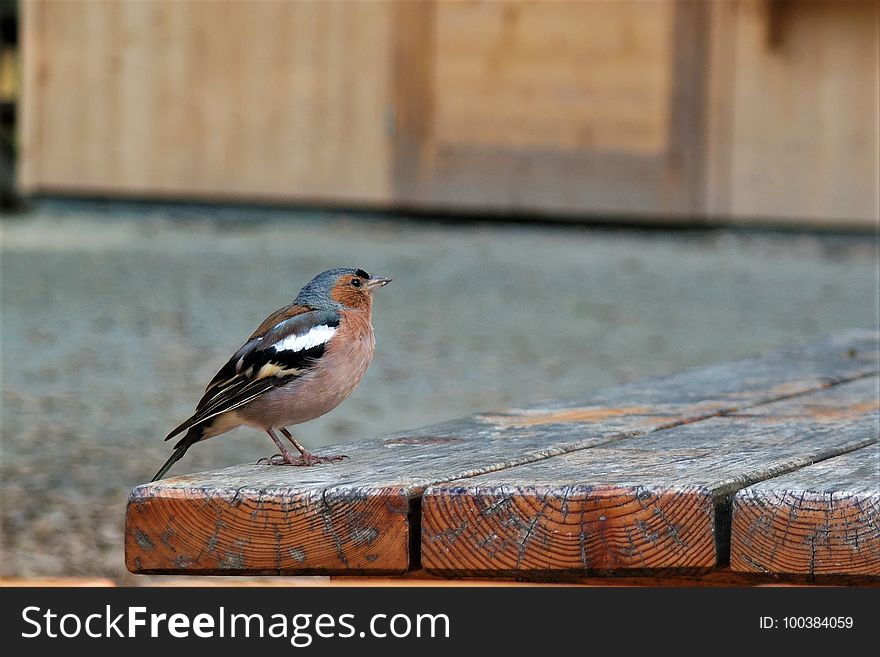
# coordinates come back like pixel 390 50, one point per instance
pixel 649 504
pixel 821 520
pixel 256 518
pixel 236 527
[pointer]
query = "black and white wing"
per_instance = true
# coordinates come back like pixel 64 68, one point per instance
pixel 287 350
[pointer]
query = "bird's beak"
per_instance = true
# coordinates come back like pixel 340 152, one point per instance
pixel 377 281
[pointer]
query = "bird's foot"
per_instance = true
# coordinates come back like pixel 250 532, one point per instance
pixel 306 459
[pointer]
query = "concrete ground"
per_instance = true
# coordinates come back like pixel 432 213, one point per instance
pixel 114 317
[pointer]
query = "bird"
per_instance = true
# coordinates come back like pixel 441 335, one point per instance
pixel 301 362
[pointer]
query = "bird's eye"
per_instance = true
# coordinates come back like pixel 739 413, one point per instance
pixel 356 282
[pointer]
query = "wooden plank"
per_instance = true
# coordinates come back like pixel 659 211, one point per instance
pixel 359 515
pixel 32 81
pixel 413 107
pixel 719 107
pixel 252 519
pixel 821 520
pixel 685 159
pixel 652 504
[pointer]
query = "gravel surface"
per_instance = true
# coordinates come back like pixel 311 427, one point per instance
pixel 114 317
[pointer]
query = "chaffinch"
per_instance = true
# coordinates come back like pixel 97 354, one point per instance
pixel 300 363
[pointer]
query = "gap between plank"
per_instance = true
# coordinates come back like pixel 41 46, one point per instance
pixel 724 507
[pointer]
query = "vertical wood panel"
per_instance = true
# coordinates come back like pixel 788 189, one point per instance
pixel 743 110
pixel 265 99
pixel 562 76
pixel 719 106
pixel 685 157
pixel 564 108
pixel 801 98
pixel 30 154
pixel 411 115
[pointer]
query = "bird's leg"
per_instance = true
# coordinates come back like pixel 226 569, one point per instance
pixel 307 458
pixel 284 458
pixel 294 441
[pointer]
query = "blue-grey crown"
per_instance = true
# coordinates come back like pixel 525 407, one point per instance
pixel 316 292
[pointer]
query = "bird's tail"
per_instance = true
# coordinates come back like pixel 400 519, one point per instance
pixel 192 436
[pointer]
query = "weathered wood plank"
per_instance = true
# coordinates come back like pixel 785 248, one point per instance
pixel 821 520
pixel 650 504
pixel 360 515
pixel 244 524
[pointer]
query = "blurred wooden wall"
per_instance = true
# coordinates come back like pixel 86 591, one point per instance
pixel 751 110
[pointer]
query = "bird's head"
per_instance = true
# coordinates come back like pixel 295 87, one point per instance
pixel 341 288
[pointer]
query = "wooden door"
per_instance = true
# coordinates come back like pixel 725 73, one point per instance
pixel 550 106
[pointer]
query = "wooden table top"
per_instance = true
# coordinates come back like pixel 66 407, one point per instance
pixel 767 466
